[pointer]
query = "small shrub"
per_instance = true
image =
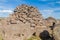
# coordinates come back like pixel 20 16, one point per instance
pixel 1 37
pixel 34 38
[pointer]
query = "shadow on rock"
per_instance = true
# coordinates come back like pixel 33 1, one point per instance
pixel 45 35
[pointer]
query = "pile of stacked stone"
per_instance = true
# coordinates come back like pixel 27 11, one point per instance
pixel 26 21
pixel 25 14
pixel 28 14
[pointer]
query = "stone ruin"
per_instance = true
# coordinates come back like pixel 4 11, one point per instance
pixel 26 21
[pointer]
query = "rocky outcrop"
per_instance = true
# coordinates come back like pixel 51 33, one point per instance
pixel 25 22
pixel 50 20
pixel 56 32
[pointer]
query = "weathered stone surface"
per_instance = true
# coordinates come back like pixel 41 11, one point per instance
pixel 25 21
pixel 56 32
pixel 50 20
pixel 58 22
pixel 22 23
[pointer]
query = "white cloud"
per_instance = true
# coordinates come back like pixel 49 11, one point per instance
pixel 3 1
pixel 50 11
pixel 47 11
pixel 53 12
pixel 4 11
pixel 58 2
pixel 20 1
pixel 4 6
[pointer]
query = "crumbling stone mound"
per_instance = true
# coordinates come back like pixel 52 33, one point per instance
pixel 21 25
pixel 25 22
pixel 28 14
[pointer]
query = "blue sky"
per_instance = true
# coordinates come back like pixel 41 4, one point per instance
pixel 46 7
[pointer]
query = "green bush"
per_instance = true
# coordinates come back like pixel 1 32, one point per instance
pixel 34 38
pixel 1 37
